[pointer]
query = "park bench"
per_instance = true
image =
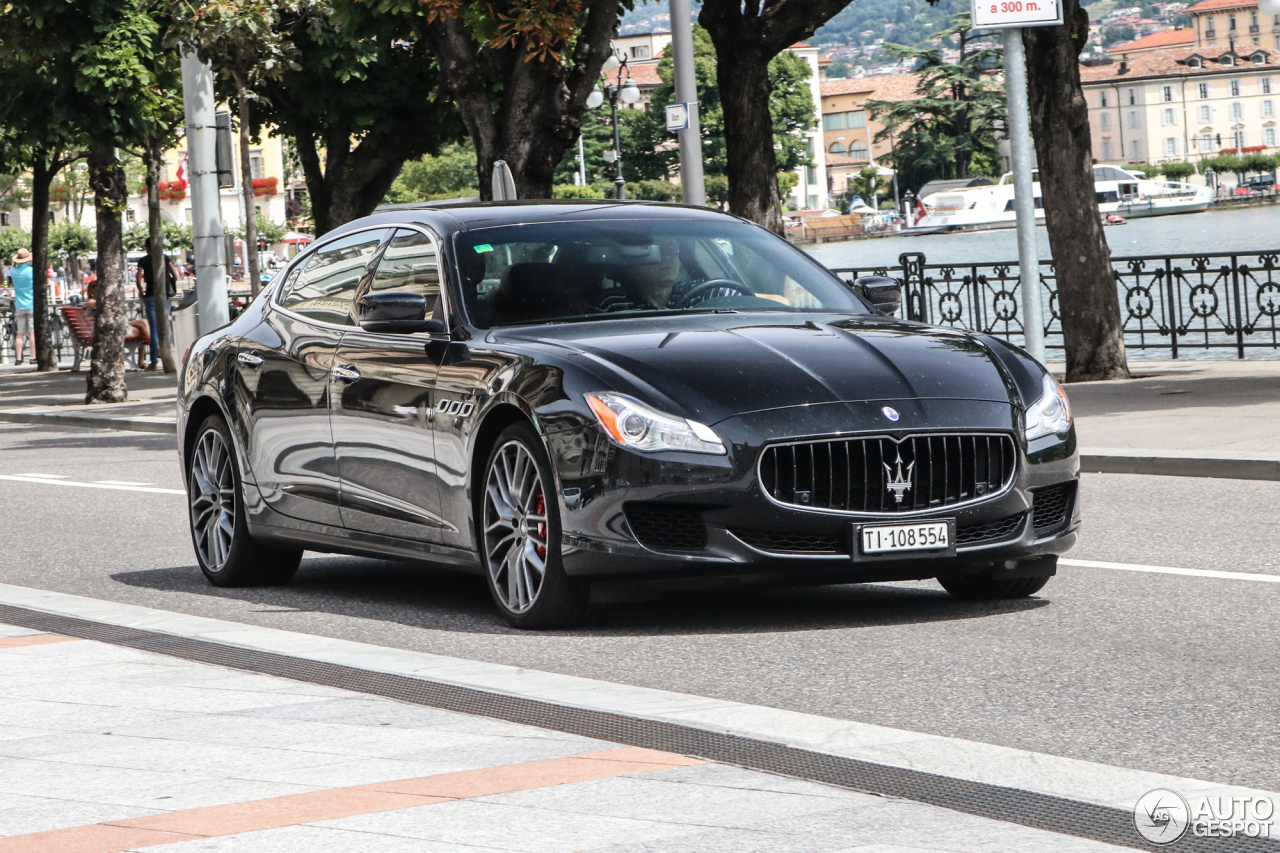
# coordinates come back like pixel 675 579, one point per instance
pixel 81 328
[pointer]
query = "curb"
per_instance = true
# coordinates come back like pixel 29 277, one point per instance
pixel 140 424
pixel 1173 463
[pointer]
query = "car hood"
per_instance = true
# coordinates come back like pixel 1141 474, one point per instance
pixel 711 367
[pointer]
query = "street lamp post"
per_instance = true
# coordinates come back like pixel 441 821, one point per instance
pixel 625 90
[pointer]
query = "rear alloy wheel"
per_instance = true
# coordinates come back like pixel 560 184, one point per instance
pixel 227 554
pixel 520 539
pixel 983 588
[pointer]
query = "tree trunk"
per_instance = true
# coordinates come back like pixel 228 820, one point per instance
pixel 526 111
pixel 250 209
pixel 751 166
pixel 1088 301
pixel 42 173
pixel 159 261
pixel 344 183
pixel 106 368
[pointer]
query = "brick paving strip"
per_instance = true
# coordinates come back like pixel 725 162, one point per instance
pixel 117 836
pixel 35 640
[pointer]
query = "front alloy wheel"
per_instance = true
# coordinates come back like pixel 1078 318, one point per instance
pixel 521 537
pixel 227 554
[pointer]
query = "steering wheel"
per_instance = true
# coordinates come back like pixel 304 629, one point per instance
pixel 714 284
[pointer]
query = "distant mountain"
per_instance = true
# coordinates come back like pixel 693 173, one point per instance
pixel 850 36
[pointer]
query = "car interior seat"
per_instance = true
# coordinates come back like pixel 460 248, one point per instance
pixel 533 291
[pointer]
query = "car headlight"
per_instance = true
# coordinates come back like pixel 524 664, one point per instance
pixel 636 426
pixel 1051 414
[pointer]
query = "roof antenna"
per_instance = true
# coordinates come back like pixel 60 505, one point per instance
pixel 504 185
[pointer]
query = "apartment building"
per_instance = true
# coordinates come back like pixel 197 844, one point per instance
pixel 1189 101
pixel 848 128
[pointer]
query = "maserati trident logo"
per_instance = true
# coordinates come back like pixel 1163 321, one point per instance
pixel 890 412
pixel 896 480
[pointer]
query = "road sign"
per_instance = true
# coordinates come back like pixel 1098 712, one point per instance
pixel 1002 14
pixel 677 117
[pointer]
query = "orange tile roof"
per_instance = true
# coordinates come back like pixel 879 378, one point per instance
pixel 1210 5
pixel 1164 38
pixel 644 73
pixel 1164 63
pixel 881 87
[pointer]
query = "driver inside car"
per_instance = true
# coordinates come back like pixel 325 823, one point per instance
pixel 647 285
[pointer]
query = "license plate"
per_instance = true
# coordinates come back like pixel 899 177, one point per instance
pixel 927 536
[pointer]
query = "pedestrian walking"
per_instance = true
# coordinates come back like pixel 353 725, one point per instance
pixel 21 278
pixel 145 280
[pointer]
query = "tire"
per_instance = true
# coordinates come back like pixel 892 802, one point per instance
pixel 226 552
pixel 520 529
pixel 984 588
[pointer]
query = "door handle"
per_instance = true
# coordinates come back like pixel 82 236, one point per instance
pixel 346 374
pixel 249 359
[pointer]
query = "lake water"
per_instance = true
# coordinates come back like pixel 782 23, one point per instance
pixel 1244 230
pixel 1241 229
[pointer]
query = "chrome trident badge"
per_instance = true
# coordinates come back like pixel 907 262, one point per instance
pixel 897 481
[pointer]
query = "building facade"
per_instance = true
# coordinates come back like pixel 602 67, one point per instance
pixel 849 130
pixel 1220 93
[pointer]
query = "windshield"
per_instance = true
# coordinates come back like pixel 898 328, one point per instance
pixel 567 271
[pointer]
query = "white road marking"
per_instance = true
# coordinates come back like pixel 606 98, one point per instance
pixel 1169 570
pixel 46 476
pixel 50 481
pixel 121 483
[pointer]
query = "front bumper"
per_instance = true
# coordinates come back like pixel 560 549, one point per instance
pixel 719 526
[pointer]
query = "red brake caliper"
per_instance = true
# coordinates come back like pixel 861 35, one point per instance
pixel 541 509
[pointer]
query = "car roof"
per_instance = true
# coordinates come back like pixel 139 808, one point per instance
pixel 466 216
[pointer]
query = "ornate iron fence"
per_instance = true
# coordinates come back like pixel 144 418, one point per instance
pixel 1173 305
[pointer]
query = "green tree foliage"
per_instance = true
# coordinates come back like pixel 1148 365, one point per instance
pixel 959 109
pixel 648 149
pixel 449 174
pixel 1178 170
pixel 11 240
pixel 71 239
pixel 518 71
pixel 177 237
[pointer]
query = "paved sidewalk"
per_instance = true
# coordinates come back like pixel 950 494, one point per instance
pixel 105 749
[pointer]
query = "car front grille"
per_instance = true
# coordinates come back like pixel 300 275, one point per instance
pixel 1052 506
pixel 667 527
pixel 991 531
pixel 881 475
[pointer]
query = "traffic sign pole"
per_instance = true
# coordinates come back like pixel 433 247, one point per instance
pixel 692 187
pixel 1015 82
pixel 1012 16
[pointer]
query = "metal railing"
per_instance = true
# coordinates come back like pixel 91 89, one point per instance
pixel 1173 305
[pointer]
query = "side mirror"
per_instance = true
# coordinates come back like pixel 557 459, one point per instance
pixel 396 311
pixel 884 293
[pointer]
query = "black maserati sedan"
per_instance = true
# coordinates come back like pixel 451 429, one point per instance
pixel 585 401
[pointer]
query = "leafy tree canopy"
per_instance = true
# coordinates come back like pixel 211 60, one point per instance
pixel 953 121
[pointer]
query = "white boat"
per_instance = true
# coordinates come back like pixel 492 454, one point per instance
pixel 1119 191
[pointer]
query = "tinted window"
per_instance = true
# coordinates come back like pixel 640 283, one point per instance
pixel 410 263
pixel 616 270
pixel 325 285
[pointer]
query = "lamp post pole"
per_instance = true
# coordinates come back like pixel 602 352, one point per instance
pixel 624 89
pixel 620 182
